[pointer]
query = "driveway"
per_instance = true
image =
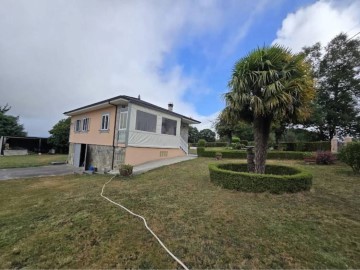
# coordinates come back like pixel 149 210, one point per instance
pixel 7 174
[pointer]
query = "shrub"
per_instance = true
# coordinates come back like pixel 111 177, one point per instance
pixel 215 144
pixel 235 139
pixel 306 146
pixel 126 169
pixel 201 143
pixel 239 146
pixel 218 155
pixel 350 154
pixel 241 154
pixel 324 158
pixel 278 179
pixel 244 142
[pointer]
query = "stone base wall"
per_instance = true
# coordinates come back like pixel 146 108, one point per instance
pixel 100 156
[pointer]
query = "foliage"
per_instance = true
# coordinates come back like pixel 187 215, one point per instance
pixel 201 143
pixel 60 135
pixel 278 179
pixel 267 85
pixel 207 134
pixel 306 146
pixel 224 128
pixel 337 72
pixel 350 154
pixel 9 125
pixel 215 144
pixel 126 169
pixel 241 154
pixel 193 135
pixel 239 146
pixel 235 140
pixel 244 142
pixel 324 158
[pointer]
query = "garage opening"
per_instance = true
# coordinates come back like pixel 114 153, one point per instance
pixel 80 152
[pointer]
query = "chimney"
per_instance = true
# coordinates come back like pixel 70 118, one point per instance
pixel 170 106
pixel 139 97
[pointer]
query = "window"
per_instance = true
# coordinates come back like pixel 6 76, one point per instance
pixel 85 126
pixel 105 122
pixel 123 120
pixel 78 126
pixel 145 121
pixel 168 126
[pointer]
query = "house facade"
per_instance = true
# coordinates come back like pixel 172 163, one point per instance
pixel 125 130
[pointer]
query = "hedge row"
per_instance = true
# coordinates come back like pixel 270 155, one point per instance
pixel 278 179
pixel 306 146
pixel 241 154
pixel 210 144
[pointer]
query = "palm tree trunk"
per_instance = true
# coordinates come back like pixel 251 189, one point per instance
pixel 261 135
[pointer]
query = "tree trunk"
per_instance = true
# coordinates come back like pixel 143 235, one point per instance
pixel 261 136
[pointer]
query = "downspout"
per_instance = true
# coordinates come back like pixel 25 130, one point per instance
pixel 113 154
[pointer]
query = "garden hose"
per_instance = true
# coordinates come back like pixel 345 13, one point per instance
pixel 144 220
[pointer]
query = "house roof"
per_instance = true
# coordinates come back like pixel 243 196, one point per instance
pixel 116 100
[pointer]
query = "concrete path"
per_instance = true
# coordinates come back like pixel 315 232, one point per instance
pixel 14 173
pixel 160 163
pixel 157 164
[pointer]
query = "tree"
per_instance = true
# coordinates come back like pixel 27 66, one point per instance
pixel 224 128
pixel 9 125
pixel 336 68
pixel 193 135
pixel 60 135
pixel 269 84
pixel 207 135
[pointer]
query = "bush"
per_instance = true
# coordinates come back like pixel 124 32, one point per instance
pixel 305 146
pixel 324 158
pixel 126 169
pixel 201 143
pixel 244 142
pixel 238 146
pixel 235 140
pixel 350 154
pixel 215 144
pixel 278 179
pixel 241 154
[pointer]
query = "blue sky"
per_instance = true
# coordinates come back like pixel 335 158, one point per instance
pixel 59 55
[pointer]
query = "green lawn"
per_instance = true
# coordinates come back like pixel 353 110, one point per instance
pixel 62 222
pixel 29 160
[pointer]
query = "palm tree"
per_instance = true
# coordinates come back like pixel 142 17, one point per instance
pixel 268 84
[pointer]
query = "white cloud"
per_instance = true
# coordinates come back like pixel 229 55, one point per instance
pixel 319 22
pixel 59 55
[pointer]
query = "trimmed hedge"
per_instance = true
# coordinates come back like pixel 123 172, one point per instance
pixel 210 144
pixel 306 146
pixel 241 154
pixel 278 179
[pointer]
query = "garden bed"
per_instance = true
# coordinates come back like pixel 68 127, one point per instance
pixel 277 179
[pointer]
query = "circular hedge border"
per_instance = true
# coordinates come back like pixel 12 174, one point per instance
pixel 277 179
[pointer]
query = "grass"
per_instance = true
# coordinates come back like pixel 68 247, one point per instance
pixel 29 160
pixel 62 222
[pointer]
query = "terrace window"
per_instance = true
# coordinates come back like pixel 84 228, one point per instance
pixel 145 121
pixel 168 126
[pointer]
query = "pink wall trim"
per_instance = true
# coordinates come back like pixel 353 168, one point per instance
pixel 139 155
pixel 94 135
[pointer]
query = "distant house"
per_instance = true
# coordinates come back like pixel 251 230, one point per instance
pixel 126 130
